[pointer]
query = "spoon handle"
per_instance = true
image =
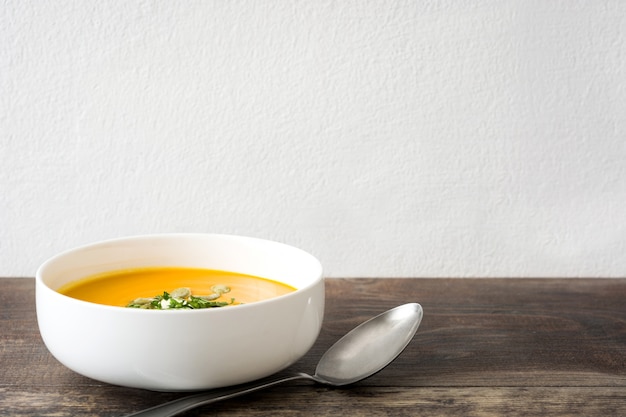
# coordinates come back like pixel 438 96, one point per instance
pixel 180 405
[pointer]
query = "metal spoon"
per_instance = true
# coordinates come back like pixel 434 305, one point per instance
pixel 362 352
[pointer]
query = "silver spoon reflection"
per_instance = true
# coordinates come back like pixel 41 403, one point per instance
pixel 362 352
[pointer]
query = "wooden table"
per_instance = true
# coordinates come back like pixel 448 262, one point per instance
pixel 485 347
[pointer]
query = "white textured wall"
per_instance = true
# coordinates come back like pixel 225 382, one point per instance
pixel 388 138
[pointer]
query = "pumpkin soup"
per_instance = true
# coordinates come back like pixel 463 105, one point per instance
pixel 173 287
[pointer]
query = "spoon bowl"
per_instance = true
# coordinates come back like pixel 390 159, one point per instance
pixel 369 347
pixel 365 350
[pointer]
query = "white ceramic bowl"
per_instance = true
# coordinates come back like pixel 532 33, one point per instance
pixel 189 349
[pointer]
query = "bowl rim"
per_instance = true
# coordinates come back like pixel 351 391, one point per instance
pixel 42 286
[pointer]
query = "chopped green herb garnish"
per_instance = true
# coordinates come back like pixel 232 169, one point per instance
pixel 181 298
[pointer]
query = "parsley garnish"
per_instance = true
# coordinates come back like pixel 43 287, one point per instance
pixel 181 298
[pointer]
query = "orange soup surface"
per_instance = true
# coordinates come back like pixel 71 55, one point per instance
pixel 119 288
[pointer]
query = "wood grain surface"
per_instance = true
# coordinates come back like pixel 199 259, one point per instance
pixel 486 347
